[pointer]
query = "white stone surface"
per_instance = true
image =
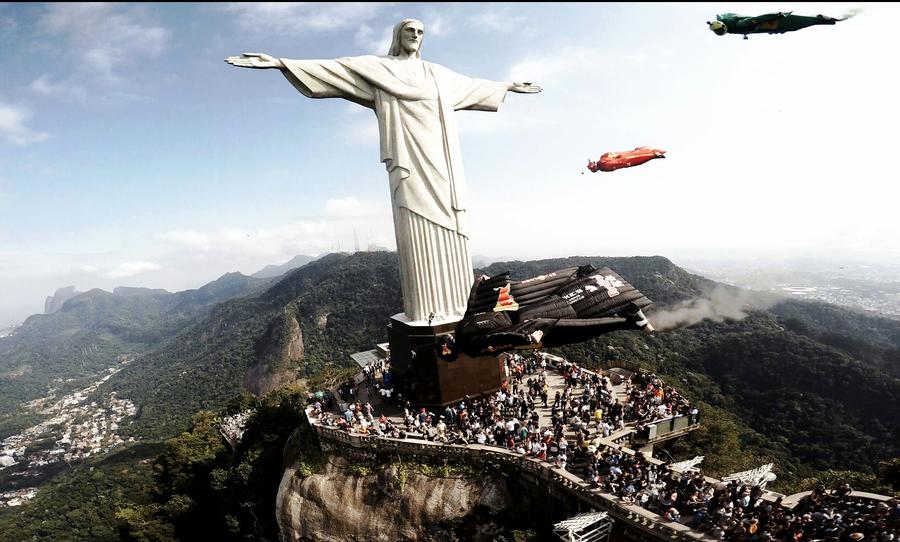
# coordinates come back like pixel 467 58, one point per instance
pixel 414 102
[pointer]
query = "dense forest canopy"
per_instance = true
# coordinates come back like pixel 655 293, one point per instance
pixel 808 386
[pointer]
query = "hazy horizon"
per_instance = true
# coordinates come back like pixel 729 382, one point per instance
pixel 131 154
pixel 11 316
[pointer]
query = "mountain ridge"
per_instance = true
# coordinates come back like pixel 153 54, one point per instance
pixel 58 352
pixel 768 389
pixel 311 318
pixel 272 271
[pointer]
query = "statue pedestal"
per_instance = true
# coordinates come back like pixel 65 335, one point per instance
pixel 427 379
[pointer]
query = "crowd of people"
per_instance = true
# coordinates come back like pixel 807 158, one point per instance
pixel 507 418
pixel 739 513
pixel 651 399
pixel 586 408
pixel 358 416
pixel 586 411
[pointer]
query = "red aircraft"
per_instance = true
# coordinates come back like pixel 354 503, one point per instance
pixel 612 161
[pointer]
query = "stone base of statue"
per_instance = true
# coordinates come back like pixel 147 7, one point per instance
pixel 427 379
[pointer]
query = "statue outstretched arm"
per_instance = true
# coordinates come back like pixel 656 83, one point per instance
pixel 524 88
pixel 255 60
pixel 314 78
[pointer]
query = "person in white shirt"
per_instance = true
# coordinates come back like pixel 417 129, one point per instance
pixel 511 426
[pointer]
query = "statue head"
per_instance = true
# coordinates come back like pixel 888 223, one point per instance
pixel 407 37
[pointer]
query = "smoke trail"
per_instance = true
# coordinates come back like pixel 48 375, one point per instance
pixel 718 305
pixel 850 14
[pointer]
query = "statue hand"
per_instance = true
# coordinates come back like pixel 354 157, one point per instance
pixel 524 88
pixel 254 60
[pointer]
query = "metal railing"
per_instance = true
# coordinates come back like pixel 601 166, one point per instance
pixel 632 366
pixel 666 428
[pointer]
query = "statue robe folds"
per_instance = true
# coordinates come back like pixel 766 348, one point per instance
pixel 414 102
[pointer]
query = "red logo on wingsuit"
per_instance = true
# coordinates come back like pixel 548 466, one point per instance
pixel 505 301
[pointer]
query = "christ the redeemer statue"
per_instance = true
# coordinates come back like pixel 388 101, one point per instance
pixel 415 102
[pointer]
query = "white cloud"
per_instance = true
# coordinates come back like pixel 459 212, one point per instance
pixel 339 219
pixel 438 26
pixel 8 26
pixel 240 242
pixel 110 31
pixel 291 18
pixel 130 269
pixel 288 18
pixel 523 120
pixel 372 42
pixel 189 238
pixel 44 85
pixel 13 128
pixel 637 58
pixel 364 131
pixel 89 269
pixel 103 40
pixel 576 63
pixel 354 109
pixel 352 208
pixel 497 19
pixel 551 68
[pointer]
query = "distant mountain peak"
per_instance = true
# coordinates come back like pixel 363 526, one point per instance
pixel 132 291
pixel 271 271
pixel 55 302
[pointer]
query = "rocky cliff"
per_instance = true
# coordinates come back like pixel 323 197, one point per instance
pixel 55 302
pixel 277 353
pixel 347 502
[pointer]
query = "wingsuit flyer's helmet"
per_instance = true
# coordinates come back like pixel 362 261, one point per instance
pixel 718 27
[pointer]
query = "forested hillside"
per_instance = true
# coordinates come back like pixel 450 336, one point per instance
pixel 806 385
pixel 340 303
pixel 874 340
pixel 54 353
pixel 808 403
pixel 809 385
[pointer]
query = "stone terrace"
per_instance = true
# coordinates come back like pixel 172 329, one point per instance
pixel 567 481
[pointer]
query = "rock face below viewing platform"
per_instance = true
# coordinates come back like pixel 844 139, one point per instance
pixel 341 503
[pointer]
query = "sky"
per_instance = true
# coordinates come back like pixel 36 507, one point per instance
pixel 131 154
